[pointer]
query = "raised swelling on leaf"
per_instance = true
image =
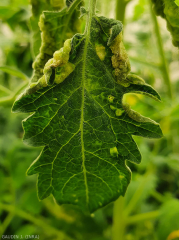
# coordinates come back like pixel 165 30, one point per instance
pixel 55 28
pixel 169 10
pixel 38 6
pixel 81 120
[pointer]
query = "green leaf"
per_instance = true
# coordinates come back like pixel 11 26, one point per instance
pixel 80 119
pixel 69 2
pixel 139 9
pixel 158 6
pixel 83 12
pixel 168 219
pixel 177 2
pixel 6 12
pixel 13 72
pixel 169 10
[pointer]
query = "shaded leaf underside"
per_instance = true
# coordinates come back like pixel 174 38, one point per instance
pixel 86 142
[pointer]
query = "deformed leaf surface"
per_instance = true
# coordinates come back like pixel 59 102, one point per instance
pixel 83 125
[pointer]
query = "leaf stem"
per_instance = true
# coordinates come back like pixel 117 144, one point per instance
pixel 119 220
pixel 164 65
pixel 92 9
pixel 6 223
pixel 8 100
pixel 4 89
pixel 142 217
pixel 144 62
pixel 35 220
pixel 120 10
pixel 93 2
pixel 158 196
pixel 137 195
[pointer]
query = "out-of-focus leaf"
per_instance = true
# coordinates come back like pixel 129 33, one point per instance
pixel 177 2
pixel 168 219
pixel 168 9
pixel 173 161
pixel 69 2
pixel 6 12
pixel 16 155
pixel 146 183
pixel 139 9
pixel 30 203
pixel 14 72
pixel 173 235
pixel 175 113
pixel 26 230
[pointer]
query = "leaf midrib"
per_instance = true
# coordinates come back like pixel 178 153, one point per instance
pixel 88 24
pixel 82 121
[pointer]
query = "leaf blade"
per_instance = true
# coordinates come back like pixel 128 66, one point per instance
pixel 84 127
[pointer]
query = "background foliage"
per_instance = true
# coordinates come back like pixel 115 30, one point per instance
pixel 150 209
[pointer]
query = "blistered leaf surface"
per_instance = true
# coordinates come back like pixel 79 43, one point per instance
pixel 83 125
pixel 55 28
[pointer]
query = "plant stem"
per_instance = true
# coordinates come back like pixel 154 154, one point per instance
pixel 119 221
pixel 142 217
pixel 4 89
pixel 120 10
pixel 137 195
pixel 93 2
pixel 158 196
pixel 144 62
pixel 57 211
pixel 8 100
pixel 6 223
pixel 92 7
pixel 164 65
pixel 35 220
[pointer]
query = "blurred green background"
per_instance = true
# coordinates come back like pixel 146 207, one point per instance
pixel 150 209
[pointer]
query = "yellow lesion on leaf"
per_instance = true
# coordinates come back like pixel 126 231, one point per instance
pixel 112 107
pixel 100 51
pixel 135 115
pixel 65 71
pixel 111 98
pixel 120 61
pixel 173 235
pixel 60 59
pixel 134 79
pixel 57 4
pixel 119 112
pixel 114 152
pixel 121 177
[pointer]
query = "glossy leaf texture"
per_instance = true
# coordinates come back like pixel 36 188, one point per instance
pixel 85 128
